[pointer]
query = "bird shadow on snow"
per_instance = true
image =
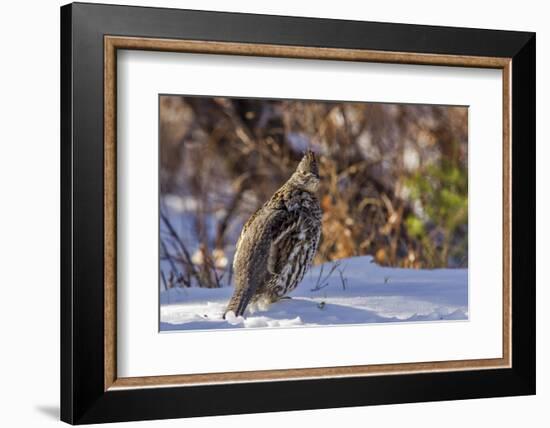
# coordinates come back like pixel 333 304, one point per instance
pixel 368 294
pixel 320 312
pixel 287 313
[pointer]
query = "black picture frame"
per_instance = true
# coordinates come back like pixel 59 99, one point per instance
pixel 83 398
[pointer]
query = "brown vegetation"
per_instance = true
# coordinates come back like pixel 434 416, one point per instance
pixel 394 178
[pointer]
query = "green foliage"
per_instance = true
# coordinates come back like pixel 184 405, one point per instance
pixel 415 226
pixel 441 224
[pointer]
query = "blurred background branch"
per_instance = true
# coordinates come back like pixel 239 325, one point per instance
pixel 394 179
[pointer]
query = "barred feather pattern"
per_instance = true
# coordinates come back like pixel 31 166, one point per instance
pixel 292 250
pixel 276 246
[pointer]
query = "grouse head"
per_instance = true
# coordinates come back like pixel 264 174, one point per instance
pixel 307 174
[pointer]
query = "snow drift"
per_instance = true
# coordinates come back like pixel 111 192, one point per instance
pixel 350 291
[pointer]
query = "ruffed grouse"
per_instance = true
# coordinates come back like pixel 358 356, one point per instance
pixel 279 240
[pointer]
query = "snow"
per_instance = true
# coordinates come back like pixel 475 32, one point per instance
pixel 349 291
pixel 181 212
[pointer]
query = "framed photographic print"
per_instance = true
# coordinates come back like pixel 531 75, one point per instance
pixel 272 213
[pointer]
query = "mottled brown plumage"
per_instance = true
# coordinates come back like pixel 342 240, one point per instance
pixel 278 242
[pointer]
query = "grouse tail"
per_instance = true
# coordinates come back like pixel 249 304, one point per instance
pixel 238 302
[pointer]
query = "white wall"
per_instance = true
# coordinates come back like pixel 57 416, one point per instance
pixel 29 232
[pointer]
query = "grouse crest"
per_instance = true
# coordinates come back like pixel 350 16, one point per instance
pixel 278 242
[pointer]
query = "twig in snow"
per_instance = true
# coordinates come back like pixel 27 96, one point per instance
pixel 343 280
pixel 164 280
pixel 182 247
pixel 167 256
pixel 323 282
